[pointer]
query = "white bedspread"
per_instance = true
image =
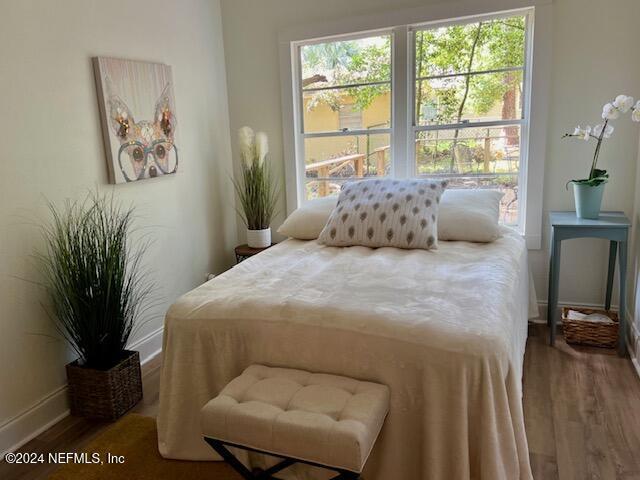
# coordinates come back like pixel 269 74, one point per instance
pixel 445 329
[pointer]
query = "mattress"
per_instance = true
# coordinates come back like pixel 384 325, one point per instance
pixel 444 329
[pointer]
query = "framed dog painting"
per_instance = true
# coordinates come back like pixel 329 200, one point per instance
pixel 138 114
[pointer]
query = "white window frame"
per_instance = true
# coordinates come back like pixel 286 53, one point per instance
pixel 400 22
pixel 522 122
pixel 298 92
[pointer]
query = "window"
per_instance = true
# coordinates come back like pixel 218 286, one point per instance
pixel 350 117
pixel 468 110
pixel 345 111
pixel 458 108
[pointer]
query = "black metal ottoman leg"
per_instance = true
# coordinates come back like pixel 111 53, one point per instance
pixel 347 476
pixel 228 457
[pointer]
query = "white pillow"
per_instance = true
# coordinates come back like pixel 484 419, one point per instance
pixel 306 222
pixel 385 213
pixel 465 214
pixel 471 215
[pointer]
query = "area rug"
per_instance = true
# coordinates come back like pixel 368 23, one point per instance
pixel 135 440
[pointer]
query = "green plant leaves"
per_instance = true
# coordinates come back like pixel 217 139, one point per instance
pixel 258 194
pixel 599 177
pixel 94 279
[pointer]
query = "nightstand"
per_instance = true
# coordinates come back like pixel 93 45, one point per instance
pixel 612 226
pixel 245 251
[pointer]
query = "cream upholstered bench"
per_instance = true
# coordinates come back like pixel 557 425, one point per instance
pixel 323 420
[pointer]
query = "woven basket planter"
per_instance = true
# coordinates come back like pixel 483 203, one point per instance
pixel 595 334
pixel 105 394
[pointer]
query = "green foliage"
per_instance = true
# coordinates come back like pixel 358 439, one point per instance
pixel 442 51
pixel 258 194
pixel 95 281
pixel 462 49
pixel 599 177
pixel 345 63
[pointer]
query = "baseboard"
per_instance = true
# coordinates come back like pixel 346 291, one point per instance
pixel 633 343
pixel 149 346
pixel 31 422
pixel 53 407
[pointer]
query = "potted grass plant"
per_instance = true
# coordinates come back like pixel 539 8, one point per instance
pixel 256 188
pixel 97 291
pixel 588 191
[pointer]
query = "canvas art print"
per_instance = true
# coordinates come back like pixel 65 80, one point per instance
pixel 138 118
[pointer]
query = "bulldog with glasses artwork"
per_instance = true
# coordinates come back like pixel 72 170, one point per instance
pixel 138 118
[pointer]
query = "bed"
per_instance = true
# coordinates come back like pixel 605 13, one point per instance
pixel 445 329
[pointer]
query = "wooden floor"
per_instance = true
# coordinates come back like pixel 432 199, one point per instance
pixel 72 433
pixel 582 414
pixel 582 411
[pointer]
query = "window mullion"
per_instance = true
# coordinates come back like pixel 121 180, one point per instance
pixel 347 133
pixel 471 74
pixel 462 126
pixel 345 86
pixel 401 162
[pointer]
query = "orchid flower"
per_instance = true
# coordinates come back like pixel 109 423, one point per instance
pixel 610 111
pixel 623 103
pixel 584 133
pixel 597 130
pixel 635 114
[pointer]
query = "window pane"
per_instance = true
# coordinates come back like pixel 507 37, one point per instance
pixel 470 47
pixel 474 158
pixel 469 98
pixel 346 62
pixel 480 150
pixel 332 160
pixel 325 110
pixel 450 86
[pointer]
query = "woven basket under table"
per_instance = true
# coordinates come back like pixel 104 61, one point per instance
pixel 595 334
pixel 105 394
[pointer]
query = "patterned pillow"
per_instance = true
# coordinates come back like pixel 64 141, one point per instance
pixel 385 213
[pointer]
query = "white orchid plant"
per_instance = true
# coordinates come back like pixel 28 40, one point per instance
pixel 610 111
pixel 256 188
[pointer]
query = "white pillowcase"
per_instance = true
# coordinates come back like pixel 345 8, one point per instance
pixel 306 222
pixel 470 214
pixel 386 213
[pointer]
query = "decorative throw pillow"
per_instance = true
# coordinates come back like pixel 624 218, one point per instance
pixel 471 215
pixel 385 213
pixel 306 222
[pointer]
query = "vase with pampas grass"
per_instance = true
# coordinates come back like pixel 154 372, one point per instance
pixel 256 188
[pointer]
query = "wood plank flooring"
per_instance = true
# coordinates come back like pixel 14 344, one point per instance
pixel 582 415
pixel 72 433
pixel 582 411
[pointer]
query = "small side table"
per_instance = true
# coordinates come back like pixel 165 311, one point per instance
pixel 245 251
pixel 612 226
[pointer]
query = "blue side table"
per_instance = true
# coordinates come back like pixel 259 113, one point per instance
pixel 612 226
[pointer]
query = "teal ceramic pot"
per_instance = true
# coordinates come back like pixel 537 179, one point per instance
pixel 588 200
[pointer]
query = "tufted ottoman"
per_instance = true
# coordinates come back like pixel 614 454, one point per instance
pixel 323 420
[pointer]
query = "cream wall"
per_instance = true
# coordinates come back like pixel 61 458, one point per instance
pixel 594 58
pixel 52 149
pixel 583 79
pixel 634 276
